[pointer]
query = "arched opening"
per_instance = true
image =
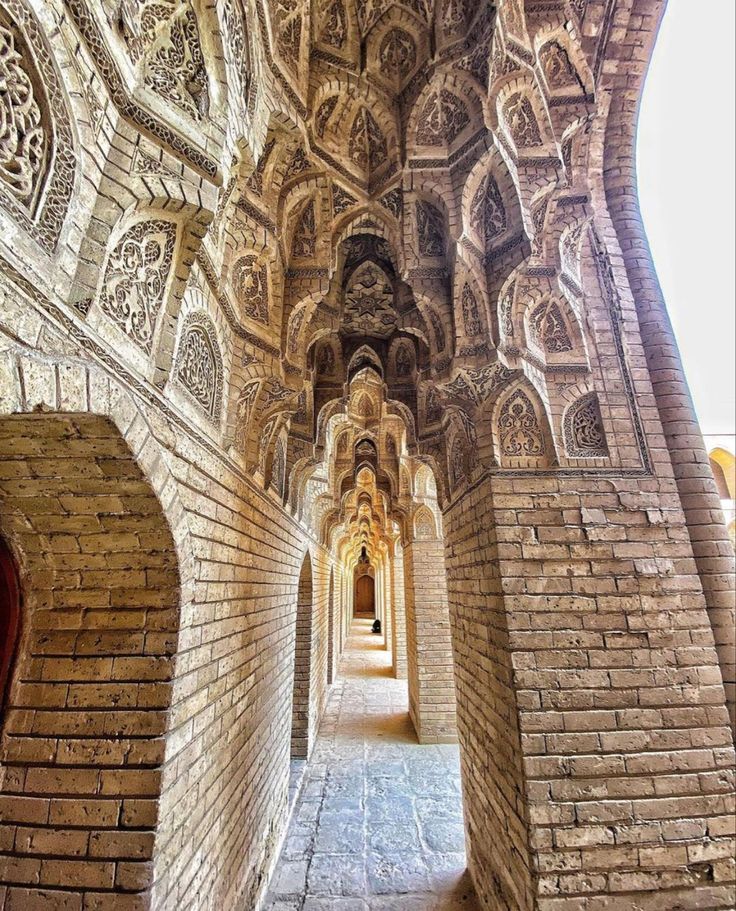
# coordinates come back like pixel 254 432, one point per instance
pixel 719 477
pixel 300 709
pixel 365 596
pixel 92 674
pixel 9 617
pixel 364 599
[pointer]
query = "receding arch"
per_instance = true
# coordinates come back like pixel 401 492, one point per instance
pixel 301 733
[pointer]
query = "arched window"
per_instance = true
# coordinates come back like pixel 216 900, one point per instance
pixel 9 617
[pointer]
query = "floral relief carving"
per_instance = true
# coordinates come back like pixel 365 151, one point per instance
pixel 243 411
pixel 424 525
pixel 397 54
pixel 393 201
pixel 438 329
pixel 369 11
pixel 199 363
pixel 300 415
pixel 557 68
pixel 583 429
pixel 304 241
pixel 334 30
pixel 255 181
pixel 278 468
pixel 325 360
pixel 37 160
pixel 505 312
pixel 442 119
pixel 288 18
pixel 539 215
pixel 519 116
pixel 324 112
pixel 458 462
pixel 471 315
pixel 164 35
pixel 266 434
pixel 548 329
pixel 367 144
pixel 24 140
pixel 404 361
pixel 295 328
pixel 570 251
pixel 364 409
pixel 135 278
pixel 238 44
pixel 430 229
pixel 250 282
pixel 487 211
pixel 478 64
pixel 298 164
pixel 432 406
pixel 519 432
pixel 455 16
pixel 341 199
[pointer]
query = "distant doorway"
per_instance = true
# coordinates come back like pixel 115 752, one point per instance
pixel 365 596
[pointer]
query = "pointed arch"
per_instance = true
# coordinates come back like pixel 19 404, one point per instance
pixel 521 429
pixel 425 526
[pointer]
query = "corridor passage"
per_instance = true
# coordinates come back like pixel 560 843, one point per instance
pixel 378 825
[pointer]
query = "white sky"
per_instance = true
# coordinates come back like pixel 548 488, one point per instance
pixel 686 165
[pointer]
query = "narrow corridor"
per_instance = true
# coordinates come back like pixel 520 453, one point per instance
pixel 378 825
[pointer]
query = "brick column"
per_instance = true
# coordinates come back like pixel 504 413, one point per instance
pixel 714 556
pixel 388 620
pixel 398 626
pixel 429 647
pixel 597 754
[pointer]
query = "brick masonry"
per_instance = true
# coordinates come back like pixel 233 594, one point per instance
pixel 247 329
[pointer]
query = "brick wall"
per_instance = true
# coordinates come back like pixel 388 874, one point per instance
pixel 198 810
pixel 622 725
pixel 430 666
pixel 84 733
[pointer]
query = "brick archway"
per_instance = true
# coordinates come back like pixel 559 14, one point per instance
pixel 83 740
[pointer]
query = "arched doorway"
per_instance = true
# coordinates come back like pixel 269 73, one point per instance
pixel 302 664
pixel 9 618
pixel 365 596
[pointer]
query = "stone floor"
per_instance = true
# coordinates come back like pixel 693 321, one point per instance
pixel 378 824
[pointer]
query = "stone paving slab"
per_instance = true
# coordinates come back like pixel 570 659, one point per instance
pixel 378 825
